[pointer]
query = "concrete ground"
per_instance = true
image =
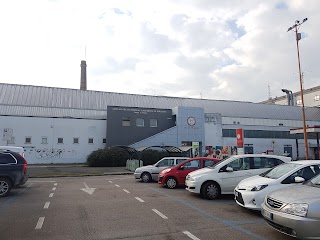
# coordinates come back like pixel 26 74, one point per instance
pixel 73 170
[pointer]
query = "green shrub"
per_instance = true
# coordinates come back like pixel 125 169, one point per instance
pixel 113 157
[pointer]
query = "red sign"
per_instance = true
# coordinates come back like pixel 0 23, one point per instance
pixel 239 135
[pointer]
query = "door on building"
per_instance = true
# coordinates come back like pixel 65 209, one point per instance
pixel 288 150
pixel 248 149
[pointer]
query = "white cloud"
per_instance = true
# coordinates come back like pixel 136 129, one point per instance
pixel 213 49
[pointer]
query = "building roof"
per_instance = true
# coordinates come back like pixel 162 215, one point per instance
pixel 26 100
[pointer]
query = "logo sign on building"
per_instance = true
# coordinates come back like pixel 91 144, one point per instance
pixel 7 134
pixel 239 134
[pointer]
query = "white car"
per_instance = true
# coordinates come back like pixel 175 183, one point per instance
pixel 151 172
pixel 223 177
pixel 250 192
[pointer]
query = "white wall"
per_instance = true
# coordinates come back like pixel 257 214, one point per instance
pixel 52 129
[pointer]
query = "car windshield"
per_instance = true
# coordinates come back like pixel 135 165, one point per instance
pixel 279 171
pixel 222 162
pixel 314 181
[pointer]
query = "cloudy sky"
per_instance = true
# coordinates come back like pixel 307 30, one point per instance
pixel 214 49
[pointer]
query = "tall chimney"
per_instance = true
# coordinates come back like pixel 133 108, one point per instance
pixel 83 78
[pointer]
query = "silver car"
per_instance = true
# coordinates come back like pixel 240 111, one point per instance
pixel 295 211
pixel 151 172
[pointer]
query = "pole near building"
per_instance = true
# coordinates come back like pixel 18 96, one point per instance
pixel 295 28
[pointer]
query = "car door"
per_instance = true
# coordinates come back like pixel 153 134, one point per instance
pixel 242 168
pixel 188 167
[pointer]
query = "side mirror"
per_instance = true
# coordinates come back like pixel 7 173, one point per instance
pixel 229 169
pixel 299 179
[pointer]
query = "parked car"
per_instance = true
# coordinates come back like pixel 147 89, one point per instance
pixel 223 177
pixel 250 192
pixel 295 211
pixel 151 172
pixel 176 175
pixel 13 171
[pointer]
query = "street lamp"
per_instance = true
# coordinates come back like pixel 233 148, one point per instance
pixel 289 96
pixel 295 28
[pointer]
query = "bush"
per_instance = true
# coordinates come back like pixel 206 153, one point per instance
pixel 113 157
pixel 117 157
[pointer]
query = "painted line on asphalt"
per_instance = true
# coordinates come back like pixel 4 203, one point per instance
pixel 139 199
pixel 54 188
pixel 110 182
pixel 126 190
pixel 205 213
pixel 160 214
pixel 40 223
pixel 117 185
pixel 190 235
pixel 41 181
pixel 29 185
pixel 55 184
pixel 46 205
pixel 51 194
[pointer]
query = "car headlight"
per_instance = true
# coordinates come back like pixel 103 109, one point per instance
pixel 299 209
pixel 195 178
pixel 165 170
pixel 259 187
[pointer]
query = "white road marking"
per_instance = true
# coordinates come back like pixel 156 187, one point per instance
pixel 117 185
pixel 190 235
pixel 110 182
pixel 46 205
pixel 160 214
pixel 29 185
pixel 40 223
pixel 54 188
pixel 55 184
pixel 51 194
pixel 139 199
pixel 40 181
pixel 126 190
pixel 87 189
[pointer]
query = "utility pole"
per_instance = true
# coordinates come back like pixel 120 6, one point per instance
pixel 295 28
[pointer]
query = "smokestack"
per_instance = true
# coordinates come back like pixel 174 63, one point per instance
pixel 83 78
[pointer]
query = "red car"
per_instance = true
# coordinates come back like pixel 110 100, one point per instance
pixel 176 175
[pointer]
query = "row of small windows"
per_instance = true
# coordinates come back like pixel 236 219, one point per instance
pixel 126 122
pixel 60 140
pixel 264 134
pixel 316 98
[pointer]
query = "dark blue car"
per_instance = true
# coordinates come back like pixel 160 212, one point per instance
pixel 13 171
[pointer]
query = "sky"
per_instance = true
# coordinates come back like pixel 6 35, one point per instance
pixel 210 49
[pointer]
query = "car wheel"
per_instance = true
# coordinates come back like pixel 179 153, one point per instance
pixel 145 177
pixel 5 187
pixel 210 190
pixel 171 182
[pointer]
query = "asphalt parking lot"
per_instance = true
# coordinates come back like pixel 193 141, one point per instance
pixel 120 207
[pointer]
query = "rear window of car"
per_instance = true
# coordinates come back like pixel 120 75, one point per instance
pixel 6 158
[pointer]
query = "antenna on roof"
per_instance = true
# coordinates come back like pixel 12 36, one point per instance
pixel 269 92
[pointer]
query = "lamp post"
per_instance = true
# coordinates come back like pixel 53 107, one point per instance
pixel 289 96
pixel 295 28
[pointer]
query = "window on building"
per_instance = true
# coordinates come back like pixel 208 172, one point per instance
pixel 299 102
pixel 140 122
pixel 153 122
pixel 126 122
pixel 104 140
pixel 28 140
pixel 90 140
pixel 44 140
pixel 317 97
pixel 75 140
pixel 60 140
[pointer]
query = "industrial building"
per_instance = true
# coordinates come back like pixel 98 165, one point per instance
pixel 58 125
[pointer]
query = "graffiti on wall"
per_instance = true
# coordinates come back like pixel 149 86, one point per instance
pixel 50 152
pixel 220 152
